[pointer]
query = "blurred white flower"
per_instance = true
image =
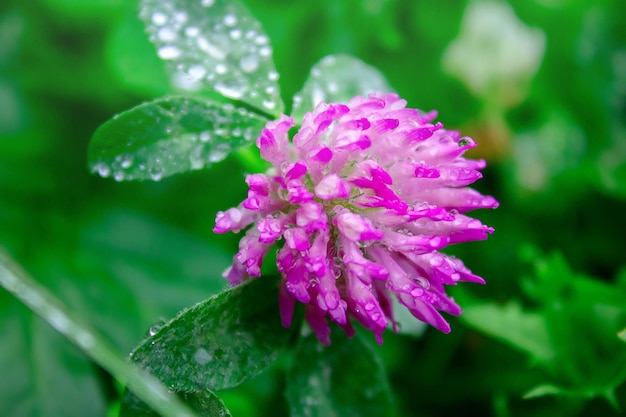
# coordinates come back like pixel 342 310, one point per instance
pixel 495 54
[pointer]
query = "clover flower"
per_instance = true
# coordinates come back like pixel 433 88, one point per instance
pixel 363 198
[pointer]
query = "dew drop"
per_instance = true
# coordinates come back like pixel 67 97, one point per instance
pixel 230 20
pixel 118 175
pixel 104 170
pixel 202 356
pixel 261 40
pixel 127 161
pixel 221 69
pixel 205 136
pixel 369 306
pixel 249 63
pixel 272 75
pixel 169 52
pixel 265 51
pixel 230 89
pixel 209 48
pixel 159 19
pixel 219 152
pixel 208 3
pixel 268 104
pixel 423 282
pixel 156 173
pixel 180 17
pixel 197 71
pixel 235 34
pixel 417 292
pixel 192 31
pixel 196 157
pixel 167 34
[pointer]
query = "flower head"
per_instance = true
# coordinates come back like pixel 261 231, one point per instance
pixel 364 196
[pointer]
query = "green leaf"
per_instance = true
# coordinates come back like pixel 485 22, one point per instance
pixel 219 343
pixel 509 323
pixel 214 45
pixel 344 379
pixel 169 136
pixel 336 79
pixel 27 290
pixel 32 355
pixel 205 402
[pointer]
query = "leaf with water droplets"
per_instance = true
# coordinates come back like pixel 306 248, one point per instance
pixel 336 79
pixel 219 343
pixel 214 45
pixel 169 136
pixel 343 379
pixel 205 402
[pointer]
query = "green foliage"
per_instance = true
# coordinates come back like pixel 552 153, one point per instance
pixel 343 379
pixel 169 136
pixel 218 343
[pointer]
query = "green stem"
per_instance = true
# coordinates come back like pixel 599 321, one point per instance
pixel 43 303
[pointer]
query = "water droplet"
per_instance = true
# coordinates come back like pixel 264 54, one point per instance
pixel 156 173
pixel 230 20
pixel 169 52
pixel 261 40
pixel 248 134
pixel 369 306
pixel 127 161
pixel 211 49
pixel 192 31
pixel 167 34
pixel 221 69
pixel 265 51
pixel 103 170
pixel 272 75
pixel 219 152
pixel 208 3
pixel 230 88
pixel 197 71
pixel 159 19
pixel 423 282
pixel 235 34
pixel 180 17
pixel 202 356
pixel 118 176
pixel 205 136
pixel 249 63
pixel 268 104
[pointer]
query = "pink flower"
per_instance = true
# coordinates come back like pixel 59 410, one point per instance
pixel 364 197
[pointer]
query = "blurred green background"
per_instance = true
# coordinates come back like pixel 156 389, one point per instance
pixel 540 85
